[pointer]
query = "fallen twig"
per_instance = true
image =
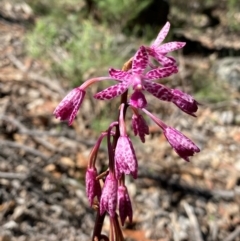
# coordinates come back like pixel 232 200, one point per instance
pixel 34 133
pixel 12 175
pixel 50 83
pixel 24 130
pixel 164 180
pixel 193 221
pixel 234 234
pixel 23 147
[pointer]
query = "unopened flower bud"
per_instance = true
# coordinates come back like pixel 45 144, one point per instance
pixel 108 201
pixel 69 106
pixel 125 158
pixel 93 187
pixel 124 205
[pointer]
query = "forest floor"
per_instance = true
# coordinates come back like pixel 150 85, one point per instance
pixel 43 162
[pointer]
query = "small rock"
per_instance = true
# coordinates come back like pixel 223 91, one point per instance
pixel 18 213
pixel 227 117
pixel 66 161
pixel 50 168
pixel 81 160
pixel 228 70
pixel 5 236
pixel 10 225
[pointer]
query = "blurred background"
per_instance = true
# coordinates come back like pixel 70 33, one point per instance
pixel 49 47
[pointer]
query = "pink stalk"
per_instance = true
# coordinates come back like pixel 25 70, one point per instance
pixel 89 82
pixel 93 154
pixel 110 147
pixel 155 119
pixel 122 126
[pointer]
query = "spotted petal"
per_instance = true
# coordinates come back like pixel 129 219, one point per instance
pixel 159 73
pixel 119 74
pixel 164 60
pixel 185 102
pixel 158 90
pixel 108 201
pixel 162 35
pixel 140 126
pixel 112 91
pixel 169 47
pixel 140 61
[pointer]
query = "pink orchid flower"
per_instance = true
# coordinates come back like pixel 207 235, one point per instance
pixel 136 77
pixel 159 52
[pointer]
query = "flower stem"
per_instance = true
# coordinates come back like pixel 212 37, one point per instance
pixel 89 82
pixel 98 226
pixel 110 148
pixel 161 124
pixel 122 126
pixel 93 154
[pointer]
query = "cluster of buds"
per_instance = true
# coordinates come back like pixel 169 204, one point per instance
pixel 107 190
